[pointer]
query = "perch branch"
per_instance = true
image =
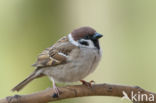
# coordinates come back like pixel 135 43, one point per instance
pixel 80 91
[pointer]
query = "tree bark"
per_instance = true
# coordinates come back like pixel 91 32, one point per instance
pixel 81 91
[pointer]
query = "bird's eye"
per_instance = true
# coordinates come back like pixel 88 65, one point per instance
pixel 84 43
pixel 87 37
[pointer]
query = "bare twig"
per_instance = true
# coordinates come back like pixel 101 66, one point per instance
pixel 81 91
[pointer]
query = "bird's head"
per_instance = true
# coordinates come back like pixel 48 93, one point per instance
pixel 85 37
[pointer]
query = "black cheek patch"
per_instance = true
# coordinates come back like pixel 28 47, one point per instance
pixel 84 43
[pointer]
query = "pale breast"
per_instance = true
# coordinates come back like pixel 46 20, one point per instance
pixel 80 64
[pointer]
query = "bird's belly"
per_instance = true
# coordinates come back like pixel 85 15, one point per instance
pixel 76 69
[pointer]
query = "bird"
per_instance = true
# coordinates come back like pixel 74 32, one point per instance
pixel 70 59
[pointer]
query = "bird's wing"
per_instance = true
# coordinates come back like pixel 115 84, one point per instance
pixel 56 54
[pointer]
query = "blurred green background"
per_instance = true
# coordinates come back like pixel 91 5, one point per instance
pixel 129 44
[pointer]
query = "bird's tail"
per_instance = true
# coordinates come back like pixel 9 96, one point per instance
pixel 22 84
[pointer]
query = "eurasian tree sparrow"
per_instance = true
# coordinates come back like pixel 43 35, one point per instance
pixel 70 59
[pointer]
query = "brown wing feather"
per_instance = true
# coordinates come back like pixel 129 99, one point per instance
pixel 52 55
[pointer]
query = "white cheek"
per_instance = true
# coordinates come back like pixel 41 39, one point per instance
pixel 76 43
pixel 91 45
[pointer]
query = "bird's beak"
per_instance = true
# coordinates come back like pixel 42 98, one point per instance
pixel 97 36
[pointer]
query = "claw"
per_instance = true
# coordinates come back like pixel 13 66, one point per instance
pixel 55 95
pixel 56 90
pixel 88 84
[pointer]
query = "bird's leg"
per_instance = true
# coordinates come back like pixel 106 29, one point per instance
pixel 56 90
pixel 88 84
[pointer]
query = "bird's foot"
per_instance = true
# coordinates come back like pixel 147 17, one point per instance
pixel 56 92
pixel 88 84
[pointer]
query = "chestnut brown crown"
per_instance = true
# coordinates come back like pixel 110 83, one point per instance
pixel 82 32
